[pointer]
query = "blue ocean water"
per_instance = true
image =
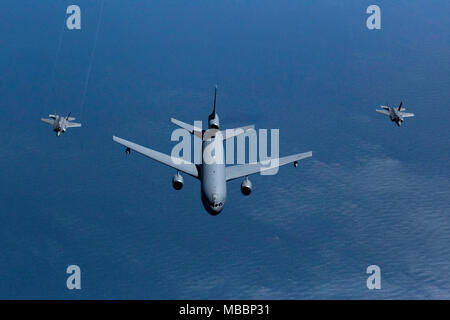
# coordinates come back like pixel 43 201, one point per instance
pixel 373 193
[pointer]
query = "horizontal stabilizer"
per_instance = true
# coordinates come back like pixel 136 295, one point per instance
pixel 188 127
pixel 198 132
pixel 230 133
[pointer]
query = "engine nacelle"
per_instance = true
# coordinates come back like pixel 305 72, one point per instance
pixel 246 187
pixel 177 181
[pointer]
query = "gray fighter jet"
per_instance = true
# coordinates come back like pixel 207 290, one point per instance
pixel 213 177
pixel 60 124
pixel 396 115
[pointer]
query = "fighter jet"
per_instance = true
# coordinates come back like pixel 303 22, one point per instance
pixel 213 176
pixel 60 124
pixel 396 115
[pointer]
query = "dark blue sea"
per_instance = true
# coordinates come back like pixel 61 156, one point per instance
pixel 372 194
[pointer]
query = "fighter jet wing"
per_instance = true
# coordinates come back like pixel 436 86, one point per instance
pixel 49 121
pixel 407 114
pixel 242 170
pixel 182 165
pixel 382 111
pixel 73 125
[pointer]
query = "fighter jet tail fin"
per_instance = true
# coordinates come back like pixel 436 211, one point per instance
pixel 400 106
pixel 69 118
